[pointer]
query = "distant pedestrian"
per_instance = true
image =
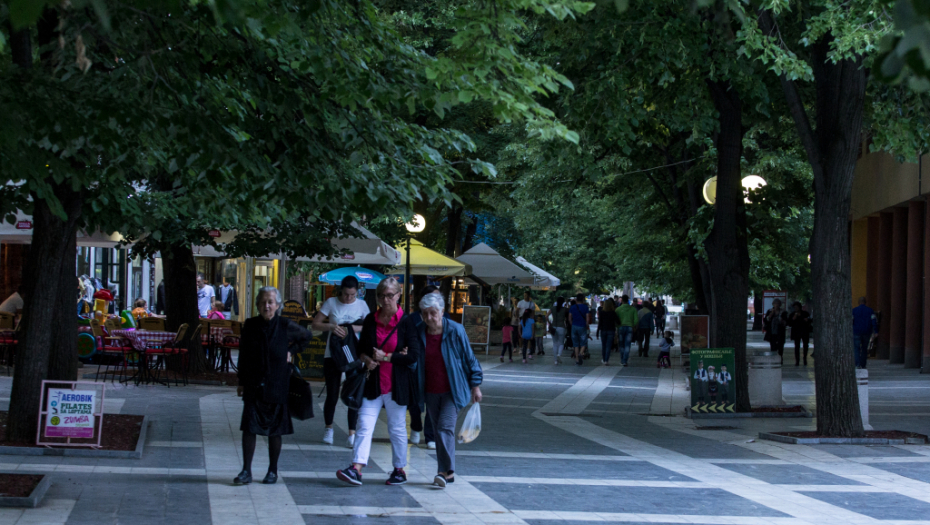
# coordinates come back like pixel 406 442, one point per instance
pixel 160 298
pixel 628 323
pixel 645 324
pixel 800 323
pixel 515 314
pixel 557 318
pixel 539 330
pixel 660 312
pixel 580 328
pixel 227 294
pixel 507 340
pixel 776 321
pixel 607 323
pixel 526 330
pixel 205 296
pixel 865 327
pixel 449 377
pixel 264 376
pixel 527 303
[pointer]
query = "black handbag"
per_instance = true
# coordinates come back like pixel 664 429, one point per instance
pixel 299 396
pixel 353 389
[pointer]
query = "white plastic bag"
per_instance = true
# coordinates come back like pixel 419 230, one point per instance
pixel 471 425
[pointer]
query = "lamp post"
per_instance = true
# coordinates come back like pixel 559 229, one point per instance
pixel 416 225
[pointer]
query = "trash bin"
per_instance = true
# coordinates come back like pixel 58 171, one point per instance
pixel 862 384
pixel 672 322
pixel 765 379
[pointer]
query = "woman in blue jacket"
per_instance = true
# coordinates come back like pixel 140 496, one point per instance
pixel 450 376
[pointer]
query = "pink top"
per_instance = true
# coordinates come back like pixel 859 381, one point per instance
pixel 437 378
pixel 508 334
pixel 384 368
pixel 216 315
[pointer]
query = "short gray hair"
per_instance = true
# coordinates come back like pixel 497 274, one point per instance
pixel 268 289
pixel 388 282
pixel 433 300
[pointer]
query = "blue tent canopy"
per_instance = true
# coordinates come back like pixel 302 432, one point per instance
pixel 364 275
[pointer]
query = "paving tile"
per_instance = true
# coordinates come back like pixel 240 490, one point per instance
pixel 788 474
pixel 918 471
pixel 564 468
pixel 883 506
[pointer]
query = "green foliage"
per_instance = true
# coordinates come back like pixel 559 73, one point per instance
pixel 905 53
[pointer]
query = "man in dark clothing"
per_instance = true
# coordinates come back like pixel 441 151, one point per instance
pixel 160 298
pixel 865 325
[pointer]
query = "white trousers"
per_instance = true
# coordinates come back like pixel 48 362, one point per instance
pixel 397 428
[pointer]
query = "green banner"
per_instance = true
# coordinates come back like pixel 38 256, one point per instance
pixel 713 376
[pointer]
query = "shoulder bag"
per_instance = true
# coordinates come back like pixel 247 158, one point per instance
pixel 299 396
pixel 353 389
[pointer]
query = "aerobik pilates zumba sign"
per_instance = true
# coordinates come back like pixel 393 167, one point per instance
pixel 71 410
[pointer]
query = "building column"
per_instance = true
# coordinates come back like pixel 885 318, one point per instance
pixel 913 329
pixel 898 286
pixel 886 230
pixel 871 265
pixel 859 254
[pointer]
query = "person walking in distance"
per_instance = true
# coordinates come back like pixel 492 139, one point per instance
pixel 800 323
pixel 865 326
pixel 507 342
pixel 776 321
pixel 227 294
pixel 645 324
pixel 628 323
pixel 660 312
pixel 526 332
pixel 557 318
pixel 205 296
pixel 580 327
pixel 264 376
pixel 334 315
pixel 607 323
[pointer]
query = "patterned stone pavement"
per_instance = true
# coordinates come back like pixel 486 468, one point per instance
pixel 559 444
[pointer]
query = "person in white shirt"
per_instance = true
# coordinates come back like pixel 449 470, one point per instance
pixel 205 296
pixel 527 303
pixel 13 303
pixel 341 310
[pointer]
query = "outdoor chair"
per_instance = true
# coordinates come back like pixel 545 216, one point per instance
pixel 6 321
pixel 111 347
pixel 225 346
pixel 172 349
pixel 8 343
pixel 152 323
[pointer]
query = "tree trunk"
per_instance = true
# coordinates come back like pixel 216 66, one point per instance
pixel 454 231
pixel 63 355
pixel 52 241
pixel 470 230
pixel 840 99
pixel 181 300
pixel 21 48
pixel 726 245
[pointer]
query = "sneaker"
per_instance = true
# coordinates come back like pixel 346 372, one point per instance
pixel 511 360
pixel 350 476
pixel 431 445
pixel 328 436
pixel 414 438
pixel 524 361
pixel 350 443
pixel 398 477
pixel 557 362
pixel 502 359
pixel 531 356
pixel 439 481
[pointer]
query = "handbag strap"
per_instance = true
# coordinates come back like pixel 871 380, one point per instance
pixel 392 331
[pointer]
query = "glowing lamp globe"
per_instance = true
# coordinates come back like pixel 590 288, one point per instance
pixel 416 225
pixel 749 182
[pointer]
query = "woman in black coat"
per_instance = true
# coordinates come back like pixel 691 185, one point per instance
pixel 800 323
pixel 388 347
pixel 264 376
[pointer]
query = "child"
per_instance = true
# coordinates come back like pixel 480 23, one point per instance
pixel 508 342
pixel 540 332
pixel 665 348
pixel 139 311
pixel 217 311
pixel 526 326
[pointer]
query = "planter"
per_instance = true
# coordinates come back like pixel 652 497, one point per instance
pixel 35 496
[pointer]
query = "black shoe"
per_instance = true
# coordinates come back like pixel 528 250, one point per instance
pixel 270 478
pixel 398 477
pixel 350 475
pixel 244 477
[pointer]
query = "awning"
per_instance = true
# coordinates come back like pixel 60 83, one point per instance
pixel 21 233
pixel 424 261
pixel 544 279
pixel 368 250
pixel 491 268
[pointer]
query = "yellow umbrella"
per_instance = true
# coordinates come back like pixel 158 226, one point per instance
pixel 424 261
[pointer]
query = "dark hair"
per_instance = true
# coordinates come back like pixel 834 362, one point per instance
pixel 428 289
pixel 559 301
pixel 573 301
pixel 140 303
pixel 625 299
pixel 527 314
pixel 580 298
pixel 349 281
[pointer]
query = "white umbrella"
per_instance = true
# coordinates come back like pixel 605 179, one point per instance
pixel 544 279
pixel 21 233
pixel 492 268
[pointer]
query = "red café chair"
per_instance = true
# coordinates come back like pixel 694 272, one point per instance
pixel 174 349
pixel 111 346
pixel 8 343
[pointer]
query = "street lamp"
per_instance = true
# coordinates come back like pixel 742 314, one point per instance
pixel 416 225
pixel 749 182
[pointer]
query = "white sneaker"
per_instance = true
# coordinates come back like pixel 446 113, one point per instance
pixel 414 438
pixel 431 445
pixel 350 443
pixel 328 436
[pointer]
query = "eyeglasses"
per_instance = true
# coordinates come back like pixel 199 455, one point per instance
pixel 387 295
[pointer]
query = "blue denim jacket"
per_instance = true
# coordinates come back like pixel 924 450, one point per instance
pixel 461 364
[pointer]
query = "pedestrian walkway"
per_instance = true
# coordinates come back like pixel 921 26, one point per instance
pixel 559 445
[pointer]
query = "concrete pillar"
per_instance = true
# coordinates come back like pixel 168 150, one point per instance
pixel 862 385
pixel 871 278
pixel 913 329
pixel 886 230
pixel 898 286
pixel 765 379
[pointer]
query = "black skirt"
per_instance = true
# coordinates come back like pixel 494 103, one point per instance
pixel 265 419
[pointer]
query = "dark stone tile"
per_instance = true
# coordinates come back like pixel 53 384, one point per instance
pixel 788 474
pixel 564 468
pixel 374 493
pixel 882 506
pixel 858 451
pixel 316 519
pixel 918 471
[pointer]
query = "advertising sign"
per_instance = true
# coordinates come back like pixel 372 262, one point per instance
pixel 70 413
pixel 770 295
pixel 477 323
pixel 695 332
pixel 294 311
pixel 24 225
pixel 310 360
pixel 713 380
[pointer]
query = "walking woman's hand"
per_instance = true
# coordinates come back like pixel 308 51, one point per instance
pixel 476 394
pixel 339 331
